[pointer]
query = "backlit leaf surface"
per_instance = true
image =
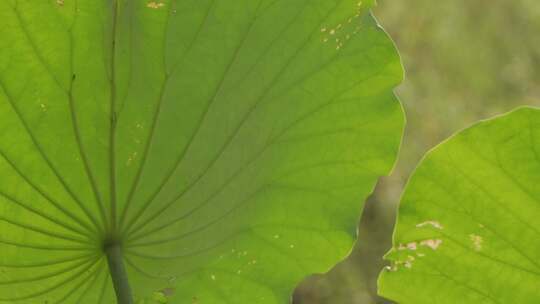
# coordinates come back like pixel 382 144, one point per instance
pixel 467 230
pixel 226 146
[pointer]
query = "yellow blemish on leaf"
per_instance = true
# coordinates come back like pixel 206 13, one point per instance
pixel 411 246
pixel 392 268
pixel 343 32
pixel 408 246
pixel 432 243
pixel 131 158
pixel 407 263
pixel 155 5
pixel 431 223
pixel 476 241
pixel 60 2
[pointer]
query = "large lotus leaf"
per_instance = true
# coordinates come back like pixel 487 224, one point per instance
pixel 218 150
pixel 467 230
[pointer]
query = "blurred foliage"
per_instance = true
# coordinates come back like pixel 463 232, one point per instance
pixel 465 60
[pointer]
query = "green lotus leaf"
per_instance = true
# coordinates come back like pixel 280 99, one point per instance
pixel 188 151
pixel 467 230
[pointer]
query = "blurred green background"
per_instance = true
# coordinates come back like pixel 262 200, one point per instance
pixel 465 60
